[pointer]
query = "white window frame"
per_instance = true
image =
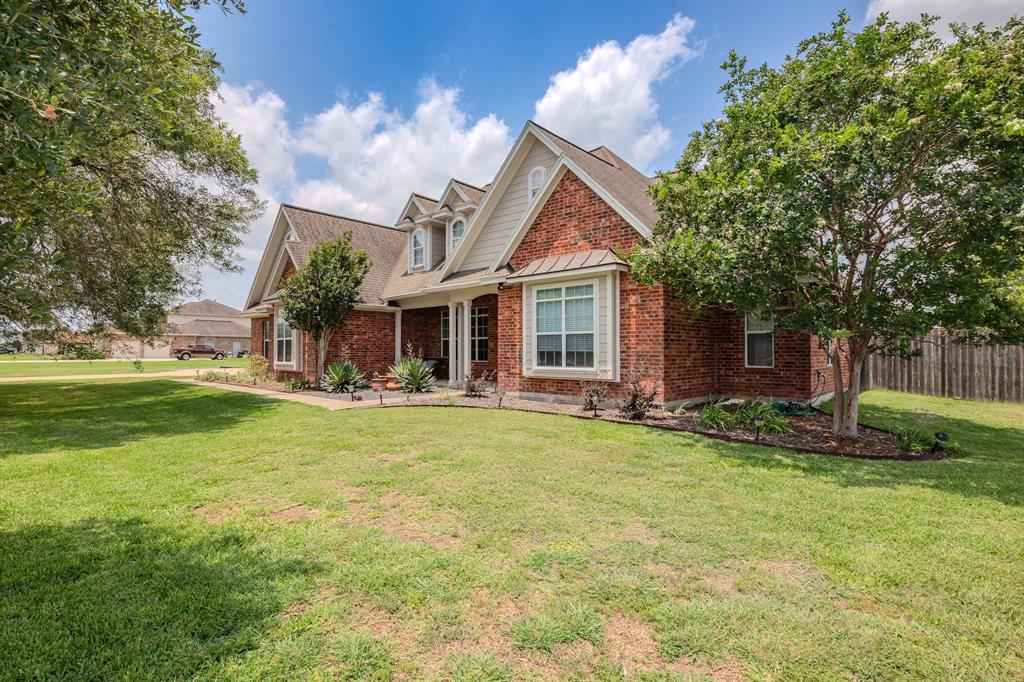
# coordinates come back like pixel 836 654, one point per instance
pixel 475 314
pixel 422 248
pixel 746 339
pixel 446 333
pixel 268 340
pixel 828 352
pixel 452 241
pixel 533 190
pixel 595 327
pixel 296 343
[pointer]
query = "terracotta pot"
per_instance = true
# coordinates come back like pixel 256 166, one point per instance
pixel 379 383
pixel 393 385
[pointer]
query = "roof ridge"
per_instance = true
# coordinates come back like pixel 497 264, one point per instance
pixel 570 142
pixel 423 196
pixel 469 184
pixel 343 217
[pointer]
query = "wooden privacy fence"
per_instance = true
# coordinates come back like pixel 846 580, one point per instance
pixel 954 371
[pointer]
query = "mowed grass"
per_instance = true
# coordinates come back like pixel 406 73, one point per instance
pixel 155 530
pixel 44 368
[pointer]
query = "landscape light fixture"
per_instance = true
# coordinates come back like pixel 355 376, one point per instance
pixel 757 428
pixel 940 438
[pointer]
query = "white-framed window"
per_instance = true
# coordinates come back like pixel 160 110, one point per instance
pixel 565 318
pixel 458 229
pixel 419 247
pixel 446 338
pixel 760 342
pixel 267 339
pixel 828 352
pixel 536 181
pixel 478 334
pixel 284 337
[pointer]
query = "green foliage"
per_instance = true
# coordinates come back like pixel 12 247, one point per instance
pixel 81 351
pixel 914 437
pixel 117 179
pixel 318 297
pixel 714 416
pixel 639 400
pixel 258 369
pixel 213 375
pixel 361 657
pixel 343 377
pixel 545 631
pixel 480 667
pixel 593 394
pixel 748 409
pixel 413 374
pixel 867 189
pixel 298 384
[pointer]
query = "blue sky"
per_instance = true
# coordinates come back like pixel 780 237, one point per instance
pixel 347 107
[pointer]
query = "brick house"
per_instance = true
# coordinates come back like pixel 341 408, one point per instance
pixel 526 278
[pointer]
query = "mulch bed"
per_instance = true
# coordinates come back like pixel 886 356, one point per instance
pixel 812 433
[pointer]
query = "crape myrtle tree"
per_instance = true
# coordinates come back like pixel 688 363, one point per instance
pixel 118 182
pixel 319 296
pixel 869 188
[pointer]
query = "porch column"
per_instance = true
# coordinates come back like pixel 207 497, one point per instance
pixel 398 335
pixel 453 364
pixel 467 358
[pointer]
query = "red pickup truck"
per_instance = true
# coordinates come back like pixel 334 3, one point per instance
pixel 186 352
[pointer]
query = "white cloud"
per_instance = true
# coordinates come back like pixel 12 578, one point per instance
pixel 607 97
pixel 258 116
pixel 990 12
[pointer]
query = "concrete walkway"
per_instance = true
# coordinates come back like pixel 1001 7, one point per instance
pixel 332 404
pixel 90 377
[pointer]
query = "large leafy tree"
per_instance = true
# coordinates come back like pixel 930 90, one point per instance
pixel 117 180
pixel 319 296
pixel 869 188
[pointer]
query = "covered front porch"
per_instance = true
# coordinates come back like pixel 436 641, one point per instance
pixel 458 330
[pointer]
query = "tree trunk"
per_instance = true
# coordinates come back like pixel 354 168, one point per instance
pixel 847 396
pixel 322 340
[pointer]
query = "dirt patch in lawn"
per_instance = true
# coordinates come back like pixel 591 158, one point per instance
pixel 723 584
pixel 218 513
pixel 405 517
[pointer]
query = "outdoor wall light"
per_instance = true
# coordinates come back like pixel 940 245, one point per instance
pixel 940 438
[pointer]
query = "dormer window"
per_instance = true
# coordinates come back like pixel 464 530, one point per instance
pixel 419 247
pixel 536 181
pixel 458 229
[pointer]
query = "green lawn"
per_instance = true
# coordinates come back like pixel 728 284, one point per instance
pixel 152 529
pixel 22 368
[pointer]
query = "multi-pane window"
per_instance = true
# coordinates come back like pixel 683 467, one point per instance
pixel 760 342
pixel 445 333
pixel 564 323
pixel 828 352
pixel 478 334
pixel 267 340
pixel 458 229
pixel 419 248
pixel 285 341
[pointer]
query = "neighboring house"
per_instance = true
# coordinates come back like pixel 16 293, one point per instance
pixel 203 321
pixel 526 277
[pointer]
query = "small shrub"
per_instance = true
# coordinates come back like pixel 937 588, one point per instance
pixel 639 400
pixel 413 374
pixel 714 416
pixel 298 384
pixel 593 394
pixel 343 377
pixel 82 351
pixel 213 375
pixel 258 369
pixel 476 386
pixel 751 408
pixel 137 364
pixel 447 396
pixel 913 438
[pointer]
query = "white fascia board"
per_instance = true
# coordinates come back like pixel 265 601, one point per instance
pixel 377 307
pixel 266 259
pixel 498 186
pixel 563 164
pixel 410 202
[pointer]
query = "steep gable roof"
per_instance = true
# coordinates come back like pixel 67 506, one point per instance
pixel 471 192
pixel 384 245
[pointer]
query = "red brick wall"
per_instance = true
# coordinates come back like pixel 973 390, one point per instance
pixel 421 327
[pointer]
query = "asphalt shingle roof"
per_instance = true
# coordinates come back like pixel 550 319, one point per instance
pixel 206 307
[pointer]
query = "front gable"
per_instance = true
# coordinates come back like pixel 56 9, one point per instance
pixel 276 257
pixel 571 217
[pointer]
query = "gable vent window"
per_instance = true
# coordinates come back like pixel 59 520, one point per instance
pixel 536 181
pixel 458 229
pixel 419 247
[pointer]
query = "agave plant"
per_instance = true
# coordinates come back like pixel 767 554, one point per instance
pixel 413 374
pixel 343 377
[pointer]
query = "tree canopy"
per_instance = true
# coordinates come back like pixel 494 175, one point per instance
pixel 117 180
pixel 321 294
pixel 868 189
